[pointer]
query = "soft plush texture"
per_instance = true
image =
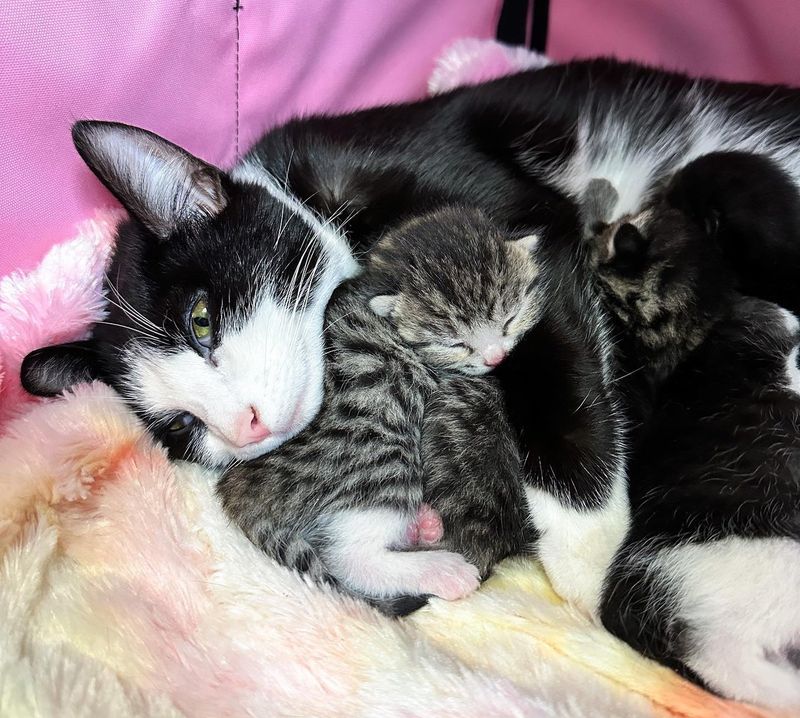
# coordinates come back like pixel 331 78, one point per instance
pixel 124 590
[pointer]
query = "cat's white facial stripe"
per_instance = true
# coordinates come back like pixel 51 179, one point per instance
pixel 339 255
pixel 273 362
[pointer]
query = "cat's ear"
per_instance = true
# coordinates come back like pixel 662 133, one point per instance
pixel 51 370
pixel 384 304
pixel 159 183
pixel 527 243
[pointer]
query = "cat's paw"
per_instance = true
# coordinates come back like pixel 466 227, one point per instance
pixel 426 528
pixel 447 575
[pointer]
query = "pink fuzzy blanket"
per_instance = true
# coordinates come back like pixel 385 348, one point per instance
pixel 125 591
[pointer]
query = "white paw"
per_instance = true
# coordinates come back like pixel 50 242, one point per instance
pixel 576 547
pixel 446 575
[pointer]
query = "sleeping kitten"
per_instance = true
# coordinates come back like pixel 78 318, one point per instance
pixel 407 418
pixel 707 580
pixel 557 386
pixel 556 382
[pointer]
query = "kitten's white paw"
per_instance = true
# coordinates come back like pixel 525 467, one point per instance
pixel 363 554
pixel 576 546
pixel 447 575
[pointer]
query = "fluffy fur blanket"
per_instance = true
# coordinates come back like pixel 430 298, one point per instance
pixel 125 591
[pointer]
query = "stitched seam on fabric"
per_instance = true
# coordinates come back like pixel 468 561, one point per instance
pixel 237 8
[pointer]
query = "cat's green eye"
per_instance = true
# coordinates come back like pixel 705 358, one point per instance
pixel 200 322
pixel 180 423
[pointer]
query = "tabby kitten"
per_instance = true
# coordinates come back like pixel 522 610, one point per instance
pixel 441 301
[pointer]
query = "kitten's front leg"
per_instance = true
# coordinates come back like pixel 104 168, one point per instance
pixel 367 549
pixel 577 544
pixel 558 391
pixel 364 551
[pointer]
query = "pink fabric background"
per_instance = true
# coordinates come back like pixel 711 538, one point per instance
pixel 170 65
pixel 745 40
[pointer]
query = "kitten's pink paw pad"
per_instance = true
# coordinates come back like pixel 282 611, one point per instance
pixel 426 527
pixel 449 576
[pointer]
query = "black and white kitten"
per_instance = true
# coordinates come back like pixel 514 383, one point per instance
pixel 708 578
pixel 409 429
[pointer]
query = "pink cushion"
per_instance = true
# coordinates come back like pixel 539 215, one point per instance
pixel 741 40
pixel 171 65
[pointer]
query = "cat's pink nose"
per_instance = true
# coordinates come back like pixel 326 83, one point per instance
pixel 493 355
pixel 249 429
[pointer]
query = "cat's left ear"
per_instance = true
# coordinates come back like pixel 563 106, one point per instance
pixel 159 183
pixel 527 243
pixel 384 304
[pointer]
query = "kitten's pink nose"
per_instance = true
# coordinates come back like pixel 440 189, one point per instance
pixel 493 355
pixel 249 429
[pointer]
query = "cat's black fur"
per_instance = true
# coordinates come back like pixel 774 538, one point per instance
pixel 718 456
pixel 749 207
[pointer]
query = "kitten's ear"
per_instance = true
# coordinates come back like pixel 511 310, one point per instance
pixel 384 304
pixel 159 183
pixel 51 370
pixel 528 243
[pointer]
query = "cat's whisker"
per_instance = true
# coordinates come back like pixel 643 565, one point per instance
pixel 127 307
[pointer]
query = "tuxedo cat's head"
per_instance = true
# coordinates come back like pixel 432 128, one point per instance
pixel 216 296
pixel 457 288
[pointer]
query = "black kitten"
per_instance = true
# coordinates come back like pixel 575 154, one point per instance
pixel 707 579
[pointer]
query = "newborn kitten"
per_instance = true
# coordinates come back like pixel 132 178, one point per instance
pixel 707 579
pixel 406 419
pixel 555 373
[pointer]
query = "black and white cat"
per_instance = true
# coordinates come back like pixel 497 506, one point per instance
pixel 216 297
pixel 708 578
pixel 219 281
pixel 522 148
